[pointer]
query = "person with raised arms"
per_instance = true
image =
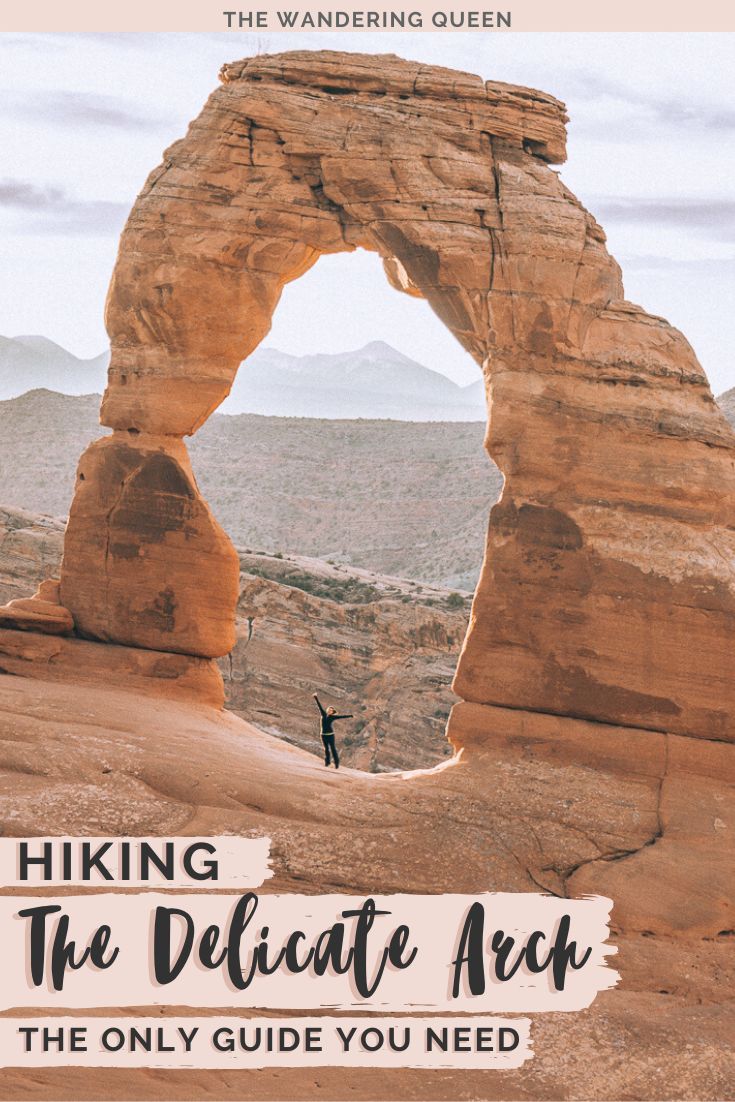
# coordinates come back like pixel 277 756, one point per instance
pixel 328 718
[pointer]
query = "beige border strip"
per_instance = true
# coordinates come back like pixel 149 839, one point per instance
pixel 208 15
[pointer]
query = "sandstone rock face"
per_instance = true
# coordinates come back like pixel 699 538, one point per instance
pixel 42 612
pixel 601 634
pixel 151 566
pixel 382 648
pixel 371 646
pixel 31 549
pixel 607 590
pixel 654 809
pixel 296 156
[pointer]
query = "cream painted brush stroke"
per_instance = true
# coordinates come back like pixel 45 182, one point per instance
pixel 434 921
pixel 208 1035
pixel 239 862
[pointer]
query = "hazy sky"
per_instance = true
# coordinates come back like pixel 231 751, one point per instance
pixel 83 118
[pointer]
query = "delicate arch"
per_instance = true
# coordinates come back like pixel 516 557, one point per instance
pixel 601 595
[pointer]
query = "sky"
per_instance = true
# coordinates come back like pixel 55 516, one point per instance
pixel 85 117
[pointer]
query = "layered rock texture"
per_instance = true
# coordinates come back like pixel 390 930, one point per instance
pixel 159 571
pixel 42 612
pixel 592 738
pixel 607 588
pixel 534 802
pixel 382 648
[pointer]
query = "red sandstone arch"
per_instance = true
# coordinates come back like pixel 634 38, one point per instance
pixel 607 588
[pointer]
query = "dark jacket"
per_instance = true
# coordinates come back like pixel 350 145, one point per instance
pixel 327 720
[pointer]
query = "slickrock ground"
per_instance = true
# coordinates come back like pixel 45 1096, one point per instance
pixel 540 799
pixel 382 648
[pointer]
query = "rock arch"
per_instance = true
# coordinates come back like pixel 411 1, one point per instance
pixel 607 587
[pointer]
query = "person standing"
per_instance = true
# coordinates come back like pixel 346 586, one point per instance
pixel 328 717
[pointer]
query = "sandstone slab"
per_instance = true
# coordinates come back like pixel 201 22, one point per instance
pixel 656 809
pixel 42 612
pixel 39 657
pixel 593 740
pixel 528 798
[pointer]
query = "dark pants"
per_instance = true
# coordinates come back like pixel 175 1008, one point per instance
pixel 329 747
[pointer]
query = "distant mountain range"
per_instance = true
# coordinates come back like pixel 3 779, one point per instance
pixel 27 363
pixel 376 381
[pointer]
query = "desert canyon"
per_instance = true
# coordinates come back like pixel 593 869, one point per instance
pixel 593 731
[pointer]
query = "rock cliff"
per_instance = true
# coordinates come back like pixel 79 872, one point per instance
pixel 384 648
